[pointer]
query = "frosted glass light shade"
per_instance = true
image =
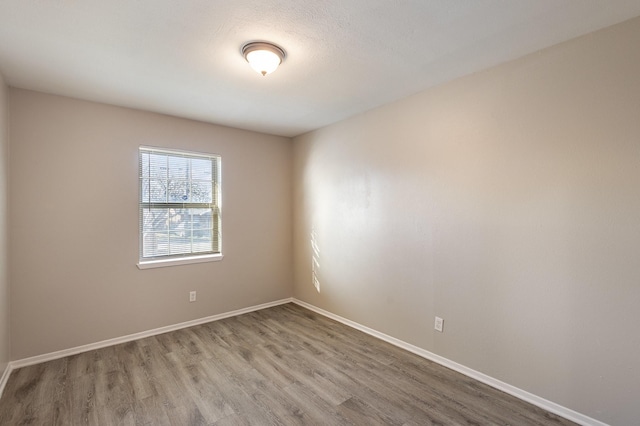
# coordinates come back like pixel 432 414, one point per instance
pixel 263 61
pixel 263 57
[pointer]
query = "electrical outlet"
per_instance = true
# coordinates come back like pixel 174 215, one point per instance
pixel 192 296
pixel 439 324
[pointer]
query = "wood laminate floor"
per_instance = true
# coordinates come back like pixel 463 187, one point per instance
pixel 279 366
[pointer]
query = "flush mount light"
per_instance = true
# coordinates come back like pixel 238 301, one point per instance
pixel 262 56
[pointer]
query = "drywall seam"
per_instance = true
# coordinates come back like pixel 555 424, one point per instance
pixel 550 406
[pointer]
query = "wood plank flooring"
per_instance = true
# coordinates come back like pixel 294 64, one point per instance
pixel 279 366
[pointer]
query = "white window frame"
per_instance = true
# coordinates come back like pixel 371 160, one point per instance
pixel 189 258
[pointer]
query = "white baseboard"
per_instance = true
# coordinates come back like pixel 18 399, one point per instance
pixel 5 377
pixel 141 335
pixel 481 377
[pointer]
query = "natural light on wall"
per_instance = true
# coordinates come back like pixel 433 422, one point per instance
pixel 315 263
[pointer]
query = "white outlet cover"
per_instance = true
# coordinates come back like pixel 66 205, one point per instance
pixel 439 324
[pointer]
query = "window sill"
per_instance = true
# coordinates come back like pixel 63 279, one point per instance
pixel 161 263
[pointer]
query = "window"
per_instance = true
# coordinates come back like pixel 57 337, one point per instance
pixel 179 207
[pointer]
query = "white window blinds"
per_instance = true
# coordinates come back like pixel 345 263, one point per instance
pixel 179 204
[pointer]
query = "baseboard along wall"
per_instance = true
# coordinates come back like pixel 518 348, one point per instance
pixel 14 365
pixel 481 377
pixel 5 377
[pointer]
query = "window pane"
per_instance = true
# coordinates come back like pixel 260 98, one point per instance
pixel 144 164
pixel 179 245
pixel 201 221
pixel 178 220
pixel 154 220
pixel 201 192
pixel 144 190
pixel 178 191
pixel 158 191
pixel 202 230
pixel 155 244
pixel 178 168
pixel 153 191
pixel 157 166
pixel 202 244
pixel 201 169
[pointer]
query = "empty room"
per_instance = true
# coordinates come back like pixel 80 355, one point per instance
pixel 329 212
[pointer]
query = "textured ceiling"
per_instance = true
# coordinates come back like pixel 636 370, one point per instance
pixel 181 57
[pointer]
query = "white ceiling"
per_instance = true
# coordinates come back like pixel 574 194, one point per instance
pixel 182 57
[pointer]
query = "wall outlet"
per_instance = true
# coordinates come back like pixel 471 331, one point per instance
pixel 439 324
pixel 192 296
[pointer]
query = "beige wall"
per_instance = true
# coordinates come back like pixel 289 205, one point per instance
pixel 5 318
pixel 74 223
pixel 506 202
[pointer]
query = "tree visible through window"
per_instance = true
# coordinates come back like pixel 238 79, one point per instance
pixel 179 204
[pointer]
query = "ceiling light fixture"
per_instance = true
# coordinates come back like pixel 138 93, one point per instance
pixel 262 56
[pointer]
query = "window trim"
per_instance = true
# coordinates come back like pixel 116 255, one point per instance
pixel 176 261
pixel 189 258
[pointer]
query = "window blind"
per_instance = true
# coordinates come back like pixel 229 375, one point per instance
pixel 179 204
